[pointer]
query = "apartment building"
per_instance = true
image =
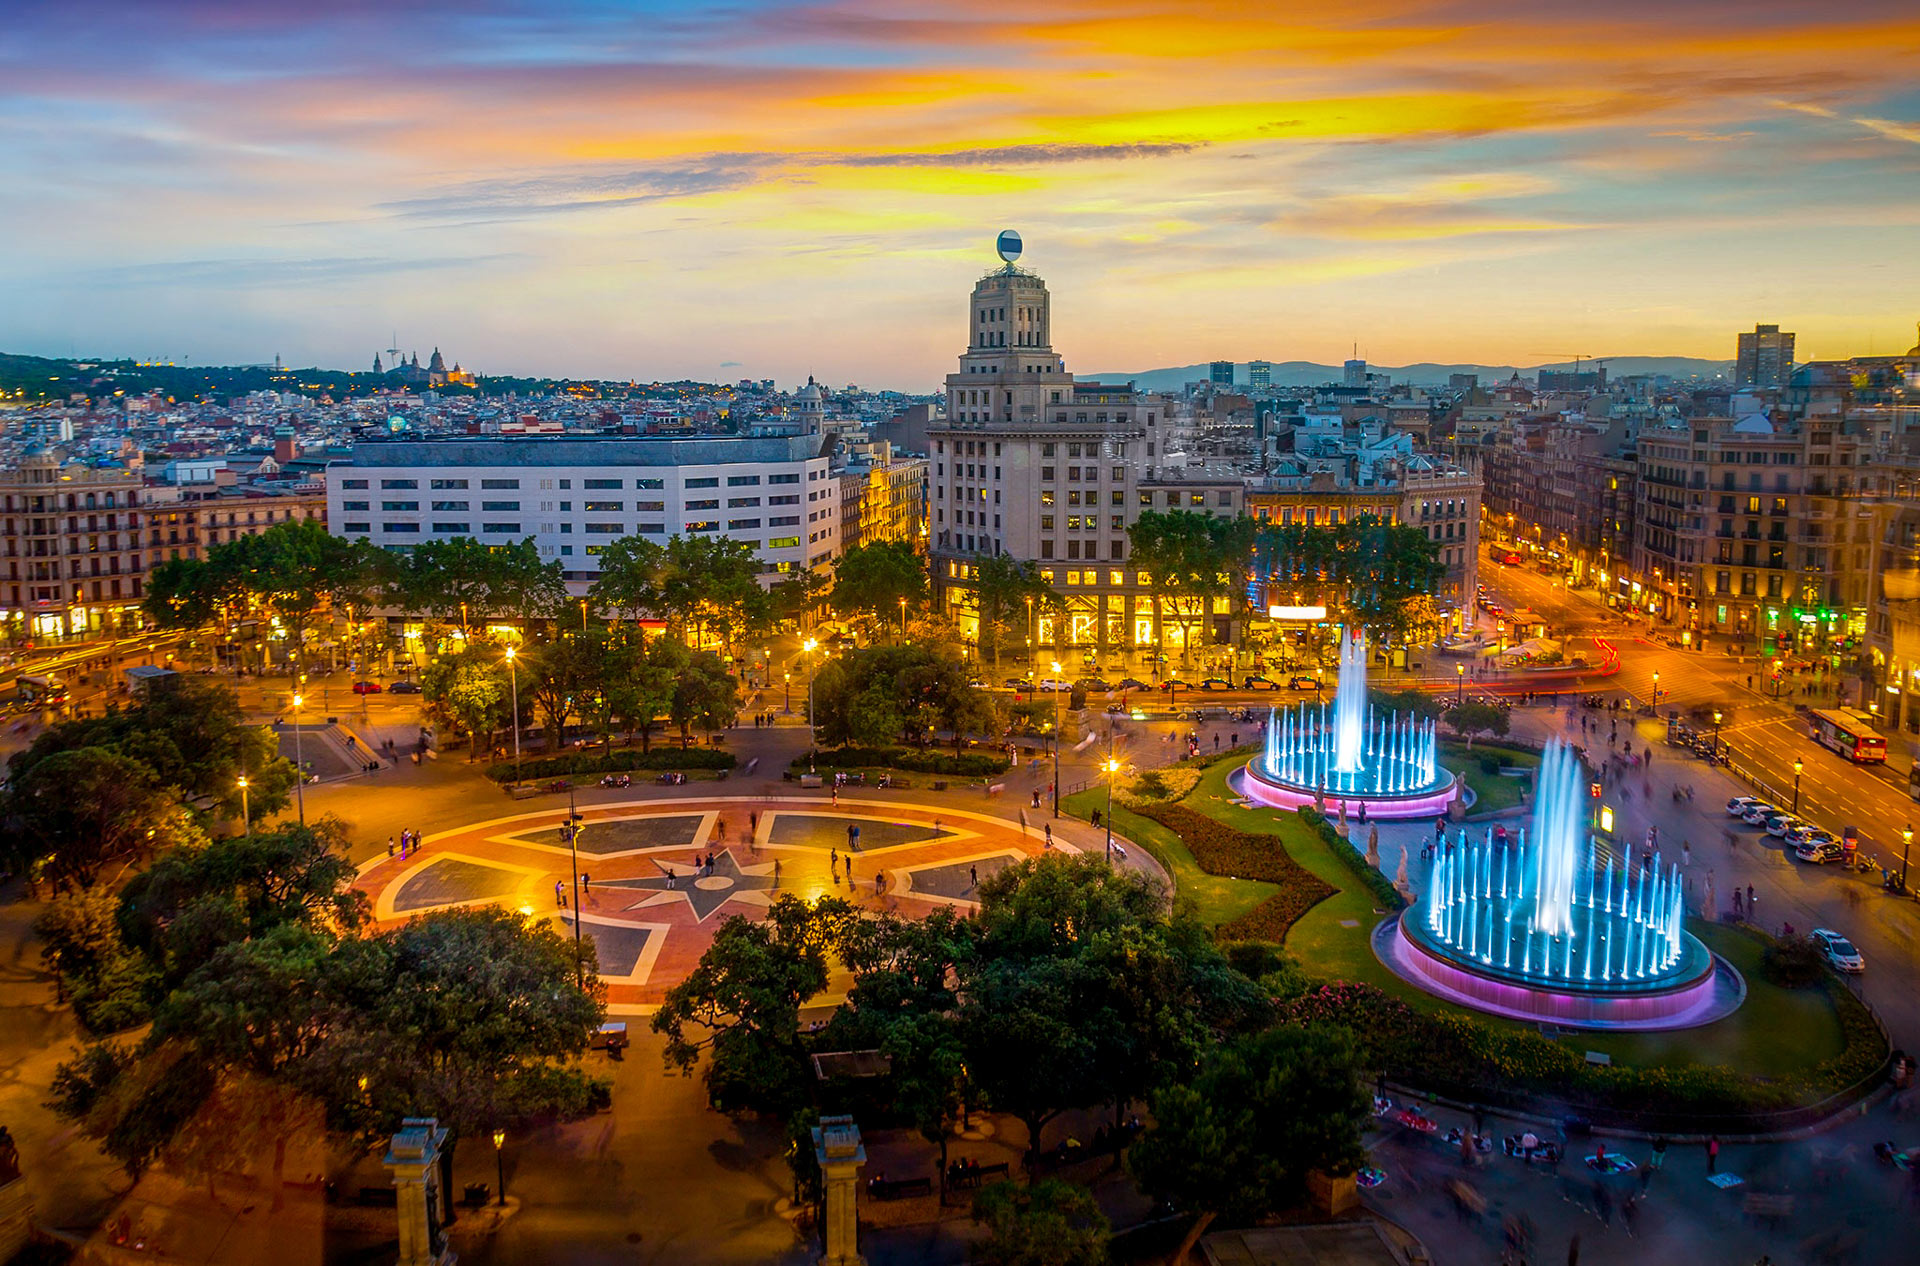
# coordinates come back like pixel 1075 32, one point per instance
pixel 76 545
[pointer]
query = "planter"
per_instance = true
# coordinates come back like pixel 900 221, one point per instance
pixel 1332 1194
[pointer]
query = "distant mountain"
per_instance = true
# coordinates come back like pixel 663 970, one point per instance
pixel 1302 373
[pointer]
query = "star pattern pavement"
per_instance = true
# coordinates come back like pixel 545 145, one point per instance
pixel 703 894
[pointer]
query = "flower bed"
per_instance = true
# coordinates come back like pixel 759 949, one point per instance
pixel 610 763
pixel 1376 883
pixel 1221 850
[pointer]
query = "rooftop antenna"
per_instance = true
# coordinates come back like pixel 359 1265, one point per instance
pixel 393 353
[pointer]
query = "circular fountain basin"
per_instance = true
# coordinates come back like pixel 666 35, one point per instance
pixel 1697 989
pixel 1256 783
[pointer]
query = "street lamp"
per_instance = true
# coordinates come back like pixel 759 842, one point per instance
pixel 1906 846
pixel 1112 769
pixel 500 1162
pixel 1056 737
pixel 299 763
pixel 1798 765
pixel 903 619
pixel 583 615
pixel 1460 684
pixel 1656 688
pixel 806 648
pixel 513 675
pixel 246 812
pixel 1716 731
pixel 573 847
pixel 787 681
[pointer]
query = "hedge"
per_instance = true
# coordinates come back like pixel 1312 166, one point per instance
pixel 611 763
pixel 1457 1056
pixel 1219 849
pixel 930 761
pixel 1379 885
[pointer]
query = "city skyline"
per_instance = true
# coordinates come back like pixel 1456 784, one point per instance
pixel 617 191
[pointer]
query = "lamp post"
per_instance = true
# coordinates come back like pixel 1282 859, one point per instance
pixel 1798 765
pixel 1716 731
pixel 903 620
pixel 787 681
pixel 573 848
pixel 583 615
pixel 1113 770
pixel 299 763
pixel 812 736
pixel 1906 846
pixel 1459 685
pixel 513 675
pixel 500 1162
pixel 1056 738
pixel 246 812
pixel 1032 646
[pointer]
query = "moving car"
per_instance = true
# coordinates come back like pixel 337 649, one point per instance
pixel 1092 684
pixel 1757 813
pixel 404 688
pixel 1216 683
pixel 1130 683
pixel 366 687
pixel 1018 683
pixel 1302 682
pixel 1819 850
pixel 1838 951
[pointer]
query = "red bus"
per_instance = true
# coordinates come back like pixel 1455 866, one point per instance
pixel 1848 733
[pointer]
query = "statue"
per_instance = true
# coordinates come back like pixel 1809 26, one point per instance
pixel 1373 847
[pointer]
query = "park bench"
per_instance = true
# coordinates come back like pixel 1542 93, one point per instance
pixel 898 1188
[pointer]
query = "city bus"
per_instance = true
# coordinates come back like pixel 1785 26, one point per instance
pixel 1848 733
pixel 37 690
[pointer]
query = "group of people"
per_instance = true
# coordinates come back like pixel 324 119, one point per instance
pixel 410 842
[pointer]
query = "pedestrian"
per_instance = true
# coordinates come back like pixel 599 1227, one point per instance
pixel 586 881
pixel 419 842
pixel 1659 1152
pixel 1752 904
pixel 559 893
pixel 1686 853
pixel 836 795
pixel 973 877
pixel 833 860
pixel 1049 834
pixel 389 846
pixel 1646 1177
pixel 1602 1203
pixel 1736 903
pixel 776 872
pixel 670 878
pixel 879 879
pixel 753 826
pixel 853 837
pixel 1628 1208
pixel 1713 1153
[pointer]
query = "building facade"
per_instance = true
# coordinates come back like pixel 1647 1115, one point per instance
pixel 574 496
pixel 1032 464
pixel 78 542
pixel 1763 358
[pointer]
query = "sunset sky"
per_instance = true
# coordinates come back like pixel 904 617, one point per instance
pixel 764 189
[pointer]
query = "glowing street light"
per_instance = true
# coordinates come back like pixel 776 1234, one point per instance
pixel 1798 765
pixel 1056 738
pixel 246 812
pixel 513 675
pixel 1112 767
pixel 300 764
pixel 499 1162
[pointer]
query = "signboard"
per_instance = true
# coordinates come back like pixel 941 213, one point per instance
pixel 1296 613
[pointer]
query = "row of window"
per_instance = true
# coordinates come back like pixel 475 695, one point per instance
pixel 591 485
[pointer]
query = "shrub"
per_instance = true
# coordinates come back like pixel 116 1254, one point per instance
pixel 1793 963
pixel 1384 893
pixel 964 765
pixel 611 762
pixel 1154 786
pixel 1491 764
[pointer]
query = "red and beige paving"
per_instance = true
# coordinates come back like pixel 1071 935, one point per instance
pixel 659 876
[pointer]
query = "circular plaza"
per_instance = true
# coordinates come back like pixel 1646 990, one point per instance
pixel 650 897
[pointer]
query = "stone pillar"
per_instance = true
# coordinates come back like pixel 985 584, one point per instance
pixel 837 1146
pixel 413 1158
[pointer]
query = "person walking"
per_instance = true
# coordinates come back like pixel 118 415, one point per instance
pixel 973 877
pixel 1659 1152
pixel 1049 834
pixel 670 879
pixel 776 872
pixel 389 846
pixel 560 893
pixel 1753 904
pixel 1713 1153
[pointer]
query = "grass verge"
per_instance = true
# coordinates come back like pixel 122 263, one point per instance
pixel 1215 899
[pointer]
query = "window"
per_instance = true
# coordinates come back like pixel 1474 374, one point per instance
pixel 783 479
pixel 353 483
pixel 784 520
pixel 1046 523
pixel 1046 450
pixel 497 529
pixel 652 529
pixel 645 506
pixel 399 527
pixel 703 525
pixel 742 525
pixel 711 503
pixel 359 505
pixel 1196 498
pixel 782 542
pixel 600 484
pixel 792 500
pixel 397 483
pixel 393 507
pixel 499 505
pixel 446 484
pixel 644 484
pixel 502 484
pixel 601 507
pixel 1046 549
pixel 735 503
pixel 742 481
pixel 1046 498
pixel 710 482
pixel 1046 473
pixel 356 527
pixel 1118 497
pixel 458 529
pixel 450 505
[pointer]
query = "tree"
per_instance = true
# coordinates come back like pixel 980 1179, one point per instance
pixel 631 571
pixel 705 694
pixel 1191 561
pixel 1051 1223
pixel 557 676
pixel 89 807
pixel 1366 570
pixel 1002 588
pixel 796 600
pixel 462 578
pixel 1471 718
pixel 874 579
pixel 647 693
pixel 468 690
pixel 740 1006
pixel 878 695
pixel 1239 1139
pixel 711 583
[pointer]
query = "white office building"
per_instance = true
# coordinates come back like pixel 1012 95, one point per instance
pixel 573 495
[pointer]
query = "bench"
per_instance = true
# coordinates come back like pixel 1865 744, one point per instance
pixel 897 1188
pixel 522 790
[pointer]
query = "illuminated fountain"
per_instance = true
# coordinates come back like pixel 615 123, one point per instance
pixel 1350 753
pixel 1552 928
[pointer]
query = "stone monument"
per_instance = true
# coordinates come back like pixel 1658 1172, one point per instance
pixel 837 1146
pixel 413 1157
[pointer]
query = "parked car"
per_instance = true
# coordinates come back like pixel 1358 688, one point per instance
pixel 1130 683
pixel 1801 832
pixel 1738 806
pixel 1757 813
pixel 1780 823
pixel 1838 951
pixel 1216 683
pixel 617 780
pixel 366 687
pixel 1260 683
pixel 1820 850
pixel 1302 682
pixel 1054 683
pixel 1018 683
pixel 404 688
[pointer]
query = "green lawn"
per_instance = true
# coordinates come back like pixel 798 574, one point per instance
pixel 1216 898
pixel 1492 792
pixel 1777 1032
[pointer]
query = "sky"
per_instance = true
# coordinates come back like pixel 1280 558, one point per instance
pixel 770 190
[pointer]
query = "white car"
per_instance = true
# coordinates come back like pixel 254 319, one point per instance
pixel 1738 806
pixel 1757 813
pixel 1839 951
pixel 1054 683
pixel 1780 823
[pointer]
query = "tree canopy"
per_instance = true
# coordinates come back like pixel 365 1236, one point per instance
pixel 872 580
pixel 1365 570
pixel 1002 587
pixel 881 695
